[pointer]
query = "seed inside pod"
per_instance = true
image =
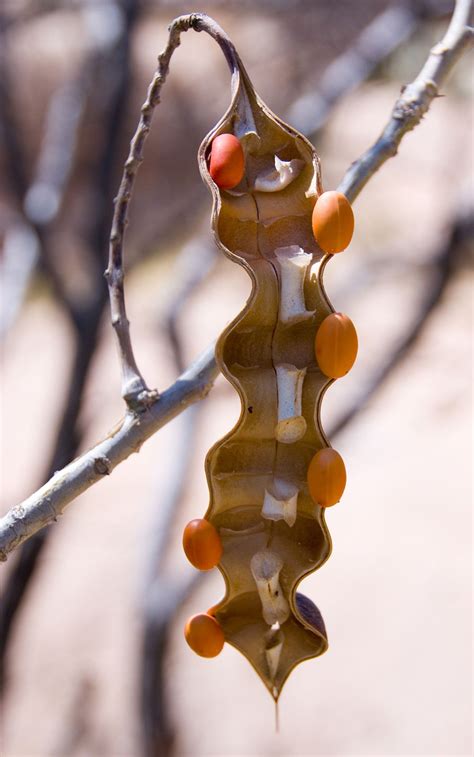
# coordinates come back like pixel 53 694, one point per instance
pixel 266 566
pixel 280 502
pixel 204 635
pixel 326 477
pixel 336 345
pixel 291 425
pixel 202 544
pixel 227 162
pixel 333 222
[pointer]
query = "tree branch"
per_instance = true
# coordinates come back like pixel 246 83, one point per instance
pixel 45 505
pixel 414 101
pixel 134 389
pixel 50 500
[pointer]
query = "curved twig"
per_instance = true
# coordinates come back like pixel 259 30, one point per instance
pixel 134 389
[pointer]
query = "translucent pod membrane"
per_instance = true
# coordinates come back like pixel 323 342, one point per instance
pixel 204 635
pixel 272 533
pixel 326 477
pixel 336 345
pixel 333 222
pixel 202 544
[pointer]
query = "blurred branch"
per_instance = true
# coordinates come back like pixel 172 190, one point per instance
pixel 164 601
pixel 414 101
pixel 76 727
pixel 109 65
pixel 17 264
pixel 373 45
pixel 40 202
pixel 36 512
pixel 193 264
pixel 163 594
pixel 443 265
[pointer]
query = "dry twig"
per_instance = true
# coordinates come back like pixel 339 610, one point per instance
pixel 134 389
pixel 414 100
pixel 45 505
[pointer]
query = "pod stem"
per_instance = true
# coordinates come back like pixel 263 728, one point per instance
pixel 135 391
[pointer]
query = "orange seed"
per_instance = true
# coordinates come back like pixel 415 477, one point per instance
pixel 336 345
pixel 204 635
pixel 202 544
pixel 326 477
pixel 227 162
pixel 333 222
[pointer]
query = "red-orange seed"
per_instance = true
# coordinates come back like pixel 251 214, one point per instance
pixel 326 477
pixel 202 544
pixel 333 222
pixel 336 345
pixel 227 162
pixel 204 635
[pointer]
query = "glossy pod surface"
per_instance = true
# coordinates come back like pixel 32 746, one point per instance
pixel 326 477
pixel 273 532
pixel 333 222
pixel 204 635
pixel 227 163
pixel 336 345
pixel 202 544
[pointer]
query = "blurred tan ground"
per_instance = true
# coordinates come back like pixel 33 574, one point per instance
pixel 396 593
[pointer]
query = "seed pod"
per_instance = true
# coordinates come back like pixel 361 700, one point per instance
pixel 273 533
pixel 326 477
pixel 227 162
pixel 333 222
pixel 204 635
pixel 336 345
pixel 202 544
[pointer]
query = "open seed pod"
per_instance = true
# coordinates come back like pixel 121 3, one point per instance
pixel 273 534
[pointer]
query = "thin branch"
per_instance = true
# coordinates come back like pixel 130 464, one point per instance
pixel 49 502
pixel 414 101
pixel 134 389
pixel 374 44
pixel 44 506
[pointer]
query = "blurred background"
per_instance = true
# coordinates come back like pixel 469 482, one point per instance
pixel 93 656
